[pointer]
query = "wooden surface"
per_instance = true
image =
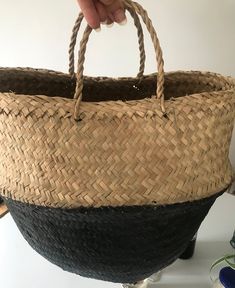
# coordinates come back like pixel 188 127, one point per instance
pixel 3 210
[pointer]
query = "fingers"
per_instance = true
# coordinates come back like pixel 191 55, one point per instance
pixel 115 10
pixel 108 2
pixel 90 13
pixel 119 16
pixel 100 8
pixel 109 22
pixel 98 11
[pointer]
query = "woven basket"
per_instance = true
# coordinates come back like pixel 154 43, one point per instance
pixel 113 183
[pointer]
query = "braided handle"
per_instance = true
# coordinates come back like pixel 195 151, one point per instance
pixel 140 34
pixel 160 63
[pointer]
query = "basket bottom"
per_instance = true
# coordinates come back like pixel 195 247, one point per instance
pixel 122 244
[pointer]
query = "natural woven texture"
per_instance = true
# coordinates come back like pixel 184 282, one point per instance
pixel 163 140
pixel 3 208
pixel 123 244
pixel 121 152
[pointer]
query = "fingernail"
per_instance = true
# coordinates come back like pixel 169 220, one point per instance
pixel 119 16
pixel 104 22
pixel 109 25
pixel 123 22
pixel 98 29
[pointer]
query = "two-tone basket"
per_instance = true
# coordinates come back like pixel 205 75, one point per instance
pixel 113 183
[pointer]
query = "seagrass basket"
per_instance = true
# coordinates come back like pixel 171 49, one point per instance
pixel 113 181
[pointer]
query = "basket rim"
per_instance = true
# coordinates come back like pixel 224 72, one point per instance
pixel 141 108
pixel 228 79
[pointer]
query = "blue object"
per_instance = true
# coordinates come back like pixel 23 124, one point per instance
pixel 227 277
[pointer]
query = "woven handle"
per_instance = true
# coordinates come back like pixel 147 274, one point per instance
pixel 160 63
pixel 140 34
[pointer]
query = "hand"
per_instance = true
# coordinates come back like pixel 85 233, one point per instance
pixel 99 12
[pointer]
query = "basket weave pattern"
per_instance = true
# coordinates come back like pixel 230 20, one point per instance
pixel 122 244
pixel 114 156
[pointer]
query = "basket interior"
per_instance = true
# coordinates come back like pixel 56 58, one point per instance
pixel 49 83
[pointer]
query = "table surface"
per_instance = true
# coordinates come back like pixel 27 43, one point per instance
pixel 22 267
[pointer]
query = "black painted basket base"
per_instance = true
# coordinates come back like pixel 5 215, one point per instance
pixel 123 244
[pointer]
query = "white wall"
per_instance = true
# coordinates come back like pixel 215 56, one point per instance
pixel 195 35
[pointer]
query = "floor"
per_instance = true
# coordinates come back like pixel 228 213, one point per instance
pixel 21 267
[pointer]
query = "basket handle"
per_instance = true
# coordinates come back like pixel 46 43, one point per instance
pixel 140 33
pixel 160 63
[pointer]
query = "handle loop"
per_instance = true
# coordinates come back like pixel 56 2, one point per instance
pixel 140 34
pixel 160 63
